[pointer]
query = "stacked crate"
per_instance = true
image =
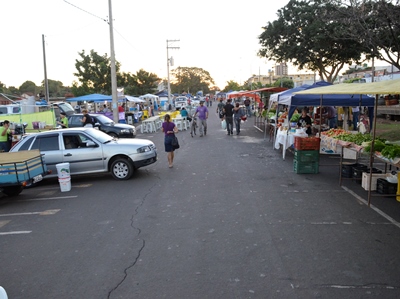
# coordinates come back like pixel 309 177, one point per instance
pixel 306 154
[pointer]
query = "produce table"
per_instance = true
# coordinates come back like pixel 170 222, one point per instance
pixel 285 138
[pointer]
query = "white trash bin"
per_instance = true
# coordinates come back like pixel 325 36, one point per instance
pixel 64 177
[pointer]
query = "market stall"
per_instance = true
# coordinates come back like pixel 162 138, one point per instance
pixel 376 88
pixel 309 96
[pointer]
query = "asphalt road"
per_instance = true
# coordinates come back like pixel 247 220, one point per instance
pixel 230 220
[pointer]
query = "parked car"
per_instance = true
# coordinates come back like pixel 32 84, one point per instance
pixel 104 124
pixel 89 150
pixel 181 102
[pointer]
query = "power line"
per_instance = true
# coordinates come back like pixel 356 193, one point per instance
pixel 86 11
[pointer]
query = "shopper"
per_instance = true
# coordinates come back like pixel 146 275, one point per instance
pixel 203 115
pixel 4 132
pixel 169 130
pixel 238 114
pixel 63 122
pixel 228 113
pixel 87 120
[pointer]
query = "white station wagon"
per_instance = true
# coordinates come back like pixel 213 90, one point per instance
pixel 90 151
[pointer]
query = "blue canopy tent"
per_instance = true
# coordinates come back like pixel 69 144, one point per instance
pixel 91 98
pixel 345 100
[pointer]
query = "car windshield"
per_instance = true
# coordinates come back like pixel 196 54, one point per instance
pixel 103 119
pixel 99 135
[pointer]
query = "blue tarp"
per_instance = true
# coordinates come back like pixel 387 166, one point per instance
pixel 91 98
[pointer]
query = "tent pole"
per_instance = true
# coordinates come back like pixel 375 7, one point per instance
pixel 371 154
pixel 320 116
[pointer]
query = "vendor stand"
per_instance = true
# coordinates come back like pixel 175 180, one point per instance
pixel 377 88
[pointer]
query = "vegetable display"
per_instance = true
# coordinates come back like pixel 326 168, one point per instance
pixel 387 150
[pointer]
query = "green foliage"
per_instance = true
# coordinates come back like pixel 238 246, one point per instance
pixel 231 86
pixel 375 23
pixel 93 73
pixel 191 80
pixel 28 86
pixel 284 82
pixel 307 35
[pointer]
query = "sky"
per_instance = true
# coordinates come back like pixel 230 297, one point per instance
pixel 218 36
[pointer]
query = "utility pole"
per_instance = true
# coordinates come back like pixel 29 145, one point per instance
pixel 114 92
pixel 46 83
pixel 169 60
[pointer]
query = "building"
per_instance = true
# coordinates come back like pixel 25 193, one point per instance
pixel 281 69
pixel 271 78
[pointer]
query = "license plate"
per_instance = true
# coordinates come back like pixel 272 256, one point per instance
pixel 37 178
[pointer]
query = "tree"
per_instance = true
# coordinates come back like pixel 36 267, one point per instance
pixel 93 73
pixel 375 24
pixel 28 86
pixel 56 88
pixel 191 80
pixel 232 86
pixel 284 82
pixel 306 35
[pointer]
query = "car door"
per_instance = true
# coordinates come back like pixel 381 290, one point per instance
pixel 74 121
pixel 49 146
pixel 82 159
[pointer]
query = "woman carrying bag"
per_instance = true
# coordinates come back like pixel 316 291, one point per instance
pixel 169 130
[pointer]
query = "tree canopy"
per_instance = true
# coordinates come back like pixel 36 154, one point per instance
pixel 306 35
pixel 373 23
pixel 94 76
pixel 191 80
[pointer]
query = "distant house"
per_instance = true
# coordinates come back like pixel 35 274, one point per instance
pixel 27 94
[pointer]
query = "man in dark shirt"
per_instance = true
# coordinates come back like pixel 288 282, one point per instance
pixel 247 105
pixel 331 115
pixel 228 112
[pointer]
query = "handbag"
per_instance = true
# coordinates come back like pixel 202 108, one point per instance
pixel 175 143
pixel 223 124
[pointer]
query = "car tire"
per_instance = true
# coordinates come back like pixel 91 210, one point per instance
pixel 122 169
pixel 12 190
pixel 113 135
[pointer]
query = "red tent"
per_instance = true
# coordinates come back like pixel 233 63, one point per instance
pixel 255 93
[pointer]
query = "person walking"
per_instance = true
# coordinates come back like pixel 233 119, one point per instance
pixel 228 113
pixel 247 106
pixel 203 115
pixel 169 130
pixel 238 114
pixel 220 109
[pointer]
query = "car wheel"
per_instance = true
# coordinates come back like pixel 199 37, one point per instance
pixel 121 169
pixel 13 190
pixel 113 135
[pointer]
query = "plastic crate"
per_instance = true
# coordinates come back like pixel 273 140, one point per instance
pixel 306 156
pixel 305 167
pixel 347 169
pixel 375 177
pixel 385 187
pixel 306 143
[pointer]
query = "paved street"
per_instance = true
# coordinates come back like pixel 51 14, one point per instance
pixel 230 220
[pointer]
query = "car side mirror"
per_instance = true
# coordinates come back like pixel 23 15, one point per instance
pixel 90 144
